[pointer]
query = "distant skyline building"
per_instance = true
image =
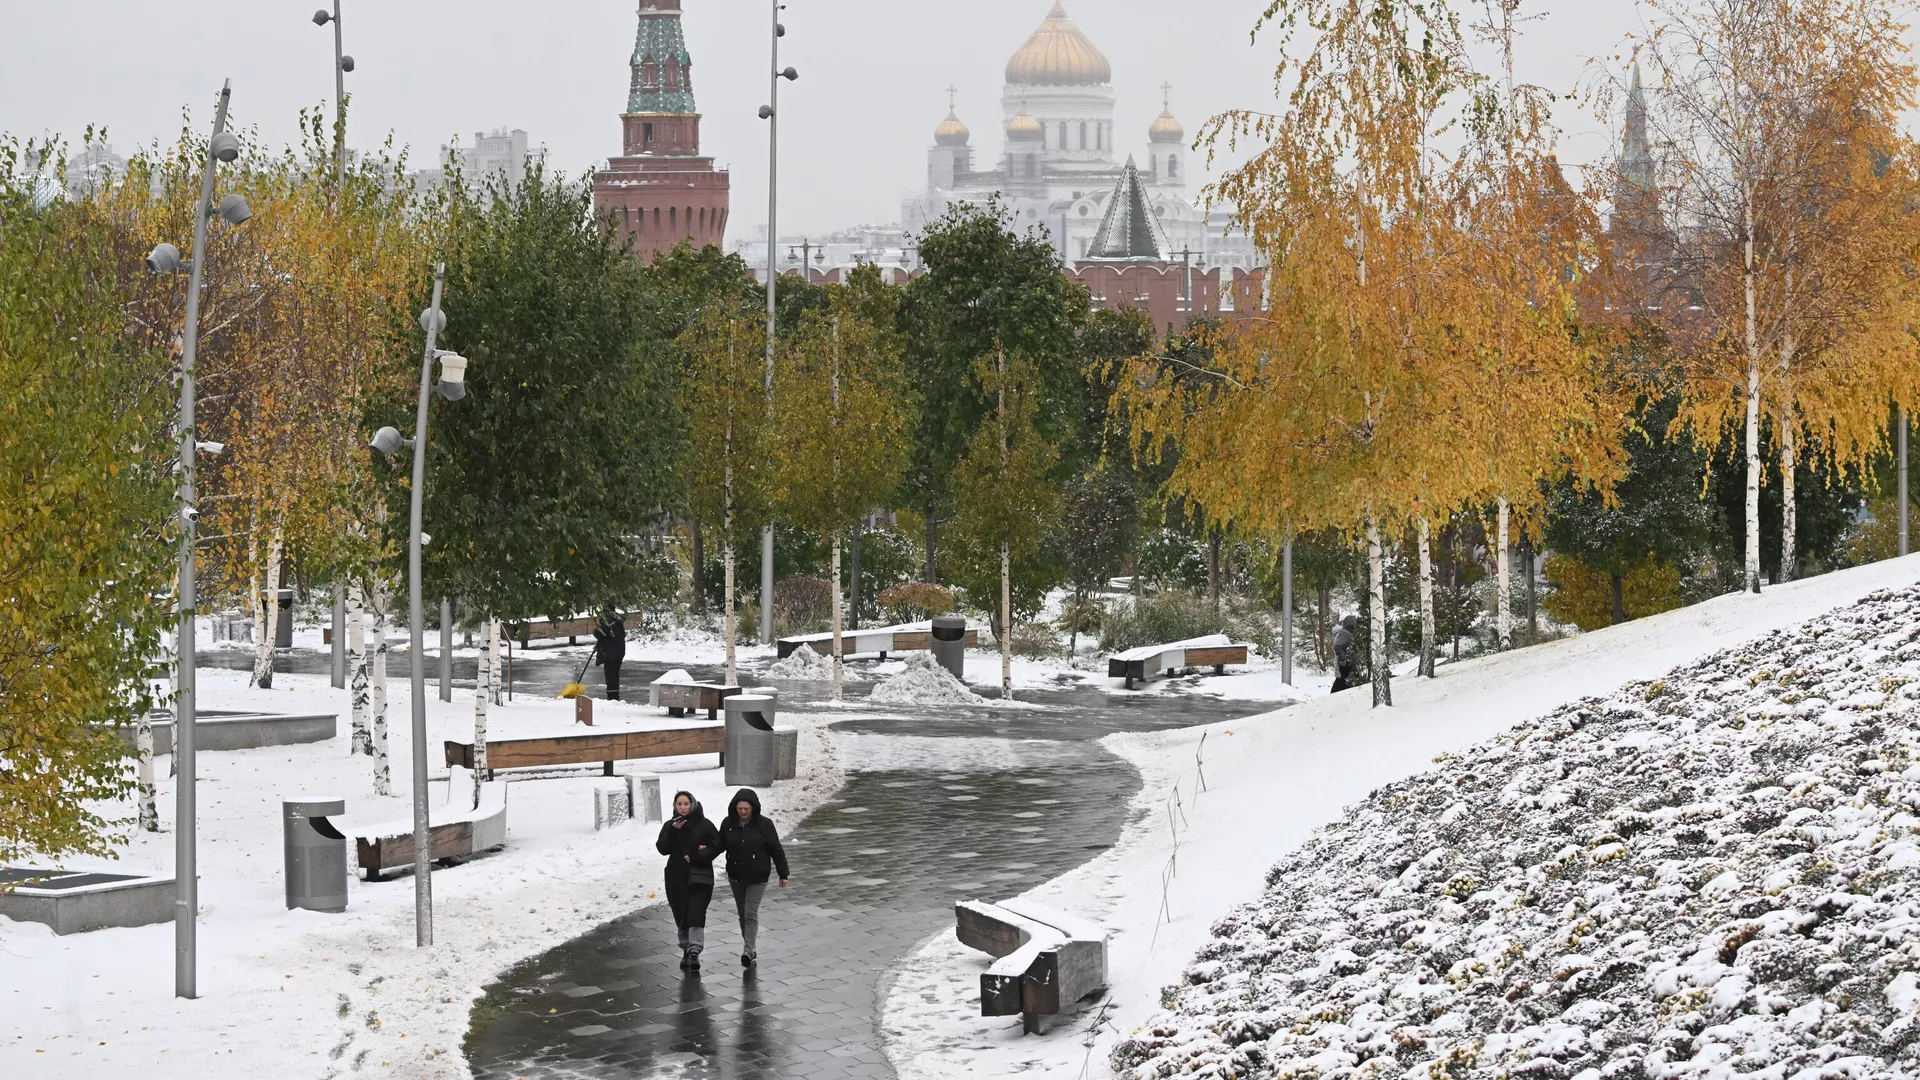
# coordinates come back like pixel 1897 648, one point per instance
pixel 660 190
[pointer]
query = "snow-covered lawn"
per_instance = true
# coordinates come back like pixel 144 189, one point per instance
pixel 301 994
pixel 1269 781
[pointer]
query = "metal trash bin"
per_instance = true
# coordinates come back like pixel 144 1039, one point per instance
pixel 316 854
pixel 752 753
pixel 950 644
pixel 283 624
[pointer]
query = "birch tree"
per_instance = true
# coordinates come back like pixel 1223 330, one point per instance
pixel 843 417
pixel 382 603
pixel 358 676
pixel 728 478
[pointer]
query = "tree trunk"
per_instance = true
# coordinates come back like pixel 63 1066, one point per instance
pixel 1286 611
pixel 699 578
pixel 382 776
pixel 839 670
pixel 853 575
pixel 1528 556
pixel 933 563
pixel 1503 585
pixel 1133 574
pixel 483 695
pixel 1789 513
pixel 143 780
pixel 1753 404
pixel 269 621
pixel 1427 659
pixel 357 668
pixel 1377 599
pixel 1619 587
pixel 1322 617
pixel 732 617
pixel 1213 569
pixel 1006 621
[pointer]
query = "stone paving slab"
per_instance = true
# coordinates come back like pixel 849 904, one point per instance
pixel 810 1008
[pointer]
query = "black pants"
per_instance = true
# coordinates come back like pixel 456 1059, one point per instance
pixel 689 903
pixel 1344 679
pixel 613 680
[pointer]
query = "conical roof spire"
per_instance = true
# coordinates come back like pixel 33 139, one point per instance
pixel 1129 231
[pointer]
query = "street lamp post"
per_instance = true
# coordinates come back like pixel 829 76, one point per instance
pixel 342 63
pixel 770 113
pixel 165 258
pixel 387 442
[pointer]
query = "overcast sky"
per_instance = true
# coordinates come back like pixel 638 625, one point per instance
pixel 855 128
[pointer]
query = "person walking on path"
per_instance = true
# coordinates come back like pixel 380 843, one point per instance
pixel 753 852
pixel 610 647
pixel 1344 677
pixel 690 843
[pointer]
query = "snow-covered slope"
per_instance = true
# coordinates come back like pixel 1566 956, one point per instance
pixel 1712 874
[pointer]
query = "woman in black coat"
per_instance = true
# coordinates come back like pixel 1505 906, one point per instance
pixel 690 843
pixel 753 852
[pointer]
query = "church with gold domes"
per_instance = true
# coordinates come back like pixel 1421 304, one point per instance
pixel 1064 160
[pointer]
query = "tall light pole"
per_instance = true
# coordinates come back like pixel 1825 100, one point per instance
pixel 165 258
pixel 342 63
pixel 387 442
pixel 771 114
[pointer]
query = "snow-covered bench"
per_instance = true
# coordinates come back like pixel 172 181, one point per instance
pixel 1152 661
pixel 907 637
pixel 455 829
pixel 1046 959
pixel 677 693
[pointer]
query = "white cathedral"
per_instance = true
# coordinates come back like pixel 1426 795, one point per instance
pixel 1060 164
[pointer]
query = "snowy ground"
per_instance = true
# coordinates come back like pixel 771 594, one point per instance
pixel 1223 803
pixel 302 994
pixel 1708 875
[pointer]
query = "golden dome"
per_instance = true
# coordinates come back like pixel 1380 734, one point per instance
pixel 1058 54
pixel 1024 126
pixel 951 131
pixel 1166 129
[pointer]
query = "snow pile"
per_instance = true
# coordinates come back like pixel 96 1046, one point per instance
pixel 924 682
pixel 1709 875
pixel 803 665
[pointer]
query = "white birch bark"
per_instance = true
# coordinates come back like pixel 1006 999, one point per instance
pixel 357 668
pixel 1503 575
pixel 1427 660
pixel 143 778
pixel 482 696
pixel 382 776
pixel 1006 621
pixel 269 620
pixel 1377 597
pixel 839 671
pixel 1750 285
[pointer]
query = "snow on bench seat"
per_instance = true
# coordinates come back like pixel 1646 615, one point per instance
pixel 1046 960
pixel 1151 661
pixel 906 637
pixel 455 829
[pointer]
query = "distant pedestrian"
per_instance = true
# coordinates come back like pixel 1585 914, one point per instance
pixel 1345 653
pixel 754 853
pixel 690 843
pixel 610 646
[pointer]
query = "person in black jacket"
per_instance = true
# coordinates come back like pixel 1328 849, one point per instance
pixel 690 843
pixel 610 647
pixel 1345 676
pixel 753 852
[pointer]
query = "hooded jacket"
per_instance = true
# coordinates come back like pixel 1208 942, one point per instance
pixel 752 846
pixel 690 849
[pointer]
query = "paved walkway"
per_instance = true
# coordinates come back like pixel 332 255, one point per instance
pixel 876 871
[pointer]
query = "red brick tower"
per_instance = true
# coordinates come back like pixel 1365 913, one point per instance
pixel 660 190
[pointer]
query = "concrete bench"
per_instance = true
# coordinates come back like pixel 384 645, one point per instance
pixel 1152 661
pixel 219 729
pixel 74 901
pixel 454 830
pixel 1046 960
pixel 603 748
pixel 680 696
pixel 907 637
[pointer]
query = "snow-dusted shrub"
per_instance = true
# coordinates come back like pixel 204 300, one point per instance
pixel 1709 876
pixel 912 601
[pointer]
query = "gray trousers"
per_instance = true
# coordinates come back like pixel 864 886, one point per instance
pixel 746 900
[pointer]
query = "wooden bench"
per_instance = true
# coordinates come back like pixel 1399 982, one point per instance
pixel 681 698
pixel 1046 960
pixel 1152 661
pixel 454 830
pixel 907 637
pixel 604 747
pixel 571 629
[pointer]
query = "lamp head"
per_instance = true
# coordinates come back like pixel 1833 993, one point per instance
pixel 790 75
pixel 346 63
pixel 164 259
pixel 387 442
pixel 438 319
pixel 453 376
pixel 766 112
pixel 321 18
pixel 234 210
pixel 226 146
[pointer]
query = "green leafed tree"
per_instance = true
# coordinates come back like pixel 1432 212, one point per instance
pixel 843 416
pixel 1007 503
pixel 85 512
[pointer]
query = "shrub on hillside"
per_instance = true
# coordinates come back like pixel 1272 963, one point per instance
pixel 913 601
